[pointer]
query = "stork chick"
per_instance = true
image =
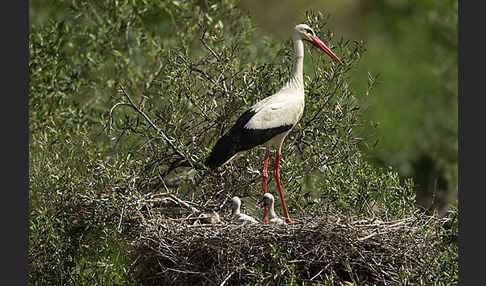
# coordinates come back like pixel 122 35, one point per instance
pixel 269 202
pixel 209 218
pixel 236 213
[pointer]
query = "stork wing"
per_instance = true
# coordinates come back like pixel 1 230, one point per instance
pixel 274 115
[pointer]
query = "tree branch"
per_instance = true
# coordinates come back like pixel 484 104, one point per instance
pixel 131 104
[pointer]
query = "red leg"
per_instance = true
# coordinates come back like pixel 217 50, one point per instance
pixel 265 177
pixel 277 176
pixel 264 171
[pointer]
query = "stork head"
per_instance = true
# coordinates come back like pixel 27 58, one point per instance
pixel 304 32
pixel 235 204
pixel 267 200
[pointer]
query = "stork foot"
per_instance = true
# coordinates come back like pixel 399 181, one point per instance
pixel 289 220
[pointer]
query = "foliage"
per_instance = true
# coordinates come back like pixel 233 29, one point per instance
pixel 191 68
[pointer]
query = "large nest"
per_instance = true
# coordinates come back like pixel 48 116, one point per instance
pixel 329 248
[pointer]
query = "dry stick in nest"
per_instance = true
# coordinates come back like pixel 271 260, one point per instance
pixel 181 202
pixel 315 244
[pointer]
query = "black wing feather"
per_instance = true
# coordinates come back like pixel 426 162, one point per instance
pixel 239 138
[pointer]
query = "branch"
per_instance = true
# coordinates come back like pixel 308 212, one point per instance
pixel 159 131
pixel 111 116
pixel 227 278
pixel 206 45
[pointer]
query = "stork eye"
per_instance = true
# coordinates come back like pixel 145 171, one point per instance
pixel 309 31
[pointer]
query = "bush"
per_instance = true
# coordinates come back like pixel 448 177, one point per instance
pixel 126 100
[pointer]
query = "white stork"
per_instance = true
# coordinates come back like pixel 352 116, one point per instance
pixel 268 121
pixel 269 202
pixel 236 213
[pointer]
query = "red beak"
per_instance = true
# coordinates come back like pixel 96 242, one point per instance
pixel 318 43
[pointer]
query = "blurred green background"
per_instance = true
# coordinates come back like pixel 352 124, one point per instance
pixel 412 47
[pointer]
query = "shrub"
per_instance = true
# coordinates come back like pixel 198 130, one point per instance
pixel 127 99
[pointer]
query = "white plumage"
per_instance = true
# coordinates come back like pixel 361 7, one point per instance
pixel 269 121
pixel 269 202
pixel 283 108
pixel 236 213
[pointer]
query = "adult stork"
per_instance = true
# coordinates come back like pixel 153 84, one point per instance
pixel 268 121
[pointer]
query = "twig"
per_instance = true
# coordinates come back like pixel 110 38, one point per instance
pixel 206 46
pixel 175 199
pixel 227 278
pixel 120 221
pixel 182 271
pixel 318 273
pixel 159 131
pixel 368 236
pixel 183 203
pixel 111 114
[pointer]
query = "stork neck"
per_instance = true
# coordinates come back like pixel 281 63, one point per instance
pixel 271 211
pixel 297 77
